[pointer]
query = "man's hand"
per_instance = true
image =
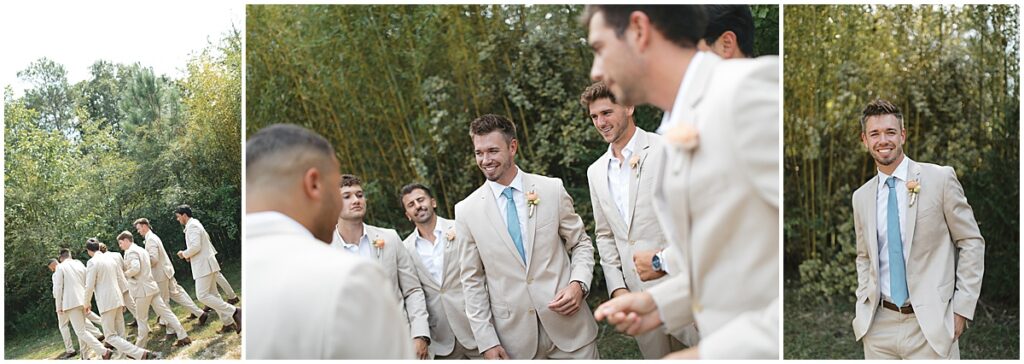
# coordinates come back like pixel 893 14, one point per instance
pixel 619 291
pixel 181 254
pixel 87 307
pixel 421 347
pixel 959 323
pixel 568 300
pixel 686 354
pixel 633 313
pixel 642 261
pixel 495 353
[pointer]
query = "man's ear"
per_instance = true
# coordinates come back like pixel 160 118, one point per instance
pixel 640 30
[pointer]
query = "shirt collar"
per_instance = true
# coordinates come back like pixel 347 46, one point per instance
pixel 337 235
pixel 627 151
pixel 437 230
pixel 900 173
pixel 691 70
pixel 517 184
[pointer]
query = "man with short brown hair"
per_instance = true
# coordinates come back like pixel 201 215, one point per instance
pixel 140 281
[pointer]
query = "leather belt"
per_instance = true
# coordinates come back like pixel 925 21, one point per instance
pixel 892 306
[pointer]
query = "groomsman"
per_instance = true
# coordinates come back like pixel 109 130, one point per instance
pixel 70 277
pixel 717 196
pixel 62 318
pixel 527 262
pixel 163 274
pixel 436 257
pixel 920 254
pixel 129 301
pixel 203 258
pixel 140 280
pixel 624 216
pixel 292 204
pixel 106 279
pixel 383 246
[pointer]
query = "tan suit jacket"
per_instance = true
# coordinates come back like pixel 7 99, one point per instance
pixel 70 277
pixel 158 258
pixel 400 269
pixel 941 281
pixel 505 297
pixel 617 240
pixel 446 305
pixel 719 205
pixel 119 260
pixel 105 279
pixel 200 251
pixel 139 272
pixel 347 310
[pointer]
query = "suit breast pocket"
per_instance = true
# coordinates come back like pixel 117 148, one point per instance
pixel 500 311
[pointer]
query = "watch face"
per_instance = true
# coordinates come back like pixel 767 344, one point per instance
pixel 656 263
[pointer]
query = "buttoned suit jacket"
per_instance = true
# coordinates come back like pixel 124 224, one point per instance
pixel 940 281
pixel 506 297
pixel 446 304
pixel 718 202
pixel 200 252
pixel 616 240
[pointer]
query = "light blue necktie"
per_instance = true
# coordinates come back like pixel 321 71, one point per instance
pixel 897 268
pixel 512 220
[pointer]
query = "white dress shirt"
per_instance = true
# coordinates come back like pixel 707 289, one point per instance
pixel 518 196
pixel 882 209
pixel 666 119
pixel 432 254
pixel 619 173
pixel 363 248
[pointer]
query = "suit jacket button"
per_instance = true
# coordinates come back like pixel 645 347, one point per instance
pixel 697 308
pixel 531 311
pixel 529 281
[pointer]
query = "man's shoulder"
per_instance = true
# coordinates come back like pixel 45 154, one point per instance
pixel 386 233
pixel 468 202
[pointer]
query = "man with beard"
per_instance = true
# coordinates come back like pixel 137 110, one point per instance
pixel 920 254
pixel 624 219
pixel 717 196
pixel 292 203
pixel 527 262
pixel 383 246
pixel 432 246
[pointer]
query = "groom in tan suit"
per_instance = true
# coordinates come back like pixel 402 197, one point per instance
pixel 717 193
pixel 383 246
pixel 435 254
pixel 527 262
pixel 624 216
pixel 920 254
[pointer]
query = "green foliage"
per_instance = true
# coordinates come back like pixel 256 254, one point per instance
pixel 394 89
pixel 954 73
pixel 85 160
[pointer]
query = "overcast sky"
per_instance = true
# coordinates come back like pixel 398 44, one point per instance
pixel 161 34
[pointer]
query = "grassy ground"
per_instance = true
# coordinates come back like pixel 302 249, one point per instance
pixel 206 342
pixel 612 344
pixel 822 331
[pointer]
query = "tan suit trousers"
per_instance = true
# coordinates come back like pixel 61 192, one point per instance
pixel 162 311
pixel 113 329
pixel 546 349
pixel 460 352
pixel 206 292
pixel 65 331
pixel 895 335
pixel 86 340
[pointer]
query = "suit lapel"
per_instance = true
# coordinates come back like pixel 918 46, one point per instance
pixel 634 177
pixel 410 246
pixel 531 221
pixel 870 200
pixel 913 174
pixel 490 207
pixel 451 255
pixel 601 186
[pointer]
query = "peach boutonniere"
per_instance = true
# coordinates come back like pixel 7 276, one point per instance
pixel 913 187
pixel 450 236
pixel 379 244
pixel 532 200
pixel 684 135
pixel 633 163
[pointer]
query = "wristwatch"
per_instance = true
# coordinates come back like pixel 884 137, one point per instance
pixel 425 338
pixel 656 263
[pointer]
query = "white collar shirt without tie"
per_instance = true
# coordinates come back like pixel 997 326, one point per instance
pixel 882 223
pixel 518 196
pixel 619 173
pixel 666 119
pixel 432 254
pixel 363 248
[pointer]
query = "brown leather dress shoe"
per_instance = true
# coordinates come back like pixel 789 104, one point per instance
pixel 237 316
pixel 202 318
pixel 67 355
pixel 227 329
pixel 108 354
pixel 183 342
pixel 191 317
pixel 234 301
